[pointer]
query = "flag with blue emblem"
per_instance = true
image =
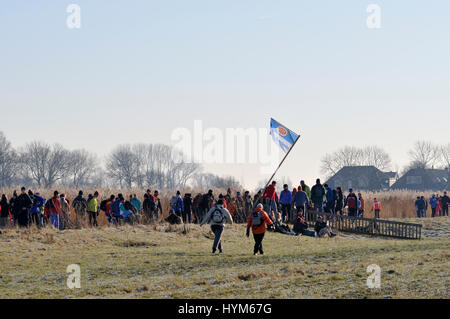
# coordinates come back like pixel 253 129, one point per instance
pixel 282 136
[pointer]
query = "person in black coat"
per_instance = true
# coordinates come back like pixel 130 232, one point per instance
pixel 23 204
pixel 187 208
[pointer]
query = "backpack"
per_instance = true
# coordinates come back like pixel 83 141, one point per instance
pixel 256 218
pixel 173 202
pixel 103 205
pixel 217 216
pixel 48 205
pixel 351 202
pixel 318 192
pixel 115 208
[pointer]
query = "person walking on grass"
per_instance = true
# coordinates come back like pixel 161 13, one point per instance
pixel 217 216
pixel 376 207
pixel 93 210
pixel 257 221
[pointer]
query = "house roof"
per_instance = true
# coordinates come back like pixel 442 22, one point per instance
pixel 363 177
pixel 423 179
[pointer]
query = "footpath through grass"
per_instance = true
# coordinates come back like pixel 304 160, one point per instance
pixel 166 262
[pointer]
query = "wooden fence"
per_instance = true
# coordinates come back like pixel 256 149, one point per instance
pixel 368 226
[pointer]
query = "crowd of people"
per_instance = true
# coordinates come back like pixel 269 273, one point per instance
pixel 438 204
pixel 265 210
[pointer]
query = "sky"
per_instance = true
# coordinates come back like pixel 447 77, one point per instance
pixel 138 70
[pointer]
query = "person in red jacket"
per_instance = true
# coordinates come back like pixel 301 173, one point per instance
pixel 55 210
pixel 269 198
pixel 257 222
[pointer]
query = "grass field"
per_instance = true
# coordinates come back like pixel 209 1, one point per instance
pixel 163 261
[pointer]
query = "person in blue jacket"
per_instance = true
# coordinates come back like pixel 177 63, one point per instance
pixel 433 205
pixel 301 199
pixel 331 199
pixel 285 201
pixel 178 204
pixel 37 210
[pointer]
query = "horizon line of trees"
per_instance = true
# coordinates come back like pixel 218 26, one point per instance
pixel 141 165
pixel 165 167
pixel 423 154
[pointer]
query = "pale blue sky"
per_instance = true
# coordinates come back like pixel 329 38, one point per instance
pixel 313 65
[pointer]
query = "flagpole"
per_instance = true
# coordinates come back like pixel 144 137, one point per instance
pixel 254 204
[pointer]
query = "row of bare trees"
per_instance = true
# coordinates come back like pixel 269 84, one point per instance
pixel 140 165
pixel 424 154
pixel 45 165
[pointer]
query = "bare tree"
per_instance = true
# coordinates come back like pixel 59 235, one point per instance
pixel 354 156
pixel 82 167
pixel 45 164
pixel 121 163
pixel 424 154
pixel 445 155
pixel 8 162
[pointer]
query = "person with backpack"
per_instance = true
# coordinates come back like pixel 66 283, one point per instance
pixel 217 216
pixel 257 221
pixel 352 203
pixel 206 204
pixel 105 206
pixel 92 210
pixel 129 213
pixel 80 207
pixel 148 207
pixel 37 210
pixel 116 209
pixel 317 194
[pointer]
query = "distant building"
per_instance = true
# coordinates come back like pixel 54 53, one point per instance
pixel 421 179
pixel 367 178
